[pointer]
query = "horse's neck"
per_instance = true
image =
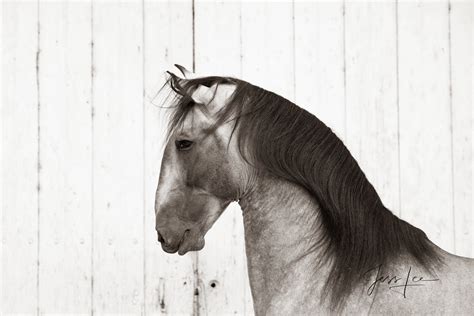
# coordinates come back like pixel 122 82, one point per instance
pixel 281 223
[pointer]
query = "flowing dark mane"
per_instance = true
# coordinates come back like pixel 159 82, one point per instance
pixel 278 136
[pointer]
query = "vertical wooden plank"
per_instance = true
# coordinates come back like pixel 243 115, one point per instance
pixel 371 94
pixel 217 37
pixel 222 262
pixel 424 105
pixel 268 46
pixel 65 134
pixel 319 61
pixel 118 157
pixel 461 82
pixel 1 164
pixel 169 278
pixel 20 161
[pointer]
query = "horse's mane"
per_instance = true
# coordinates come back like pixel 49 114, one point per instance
pixel 276 135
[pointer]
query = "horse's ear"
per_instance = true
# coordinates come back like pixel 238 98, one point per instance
pixel 186 73
pixel 214 97
pixel 204 95
pixel 173 76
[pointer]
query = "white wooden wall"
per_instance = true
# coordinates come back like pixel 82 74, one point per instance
pixel 82 142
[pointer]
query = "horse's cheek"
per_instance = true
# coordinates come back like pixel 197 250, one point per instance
pixel 215 178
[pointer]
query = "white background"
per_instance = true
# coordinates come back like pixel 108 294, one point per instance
pixel 82 143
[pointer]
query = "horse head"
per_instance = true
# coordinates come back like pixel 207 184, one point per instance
pixel 201 170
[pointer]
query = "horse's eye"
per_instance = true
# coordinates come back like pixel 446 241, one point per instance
pixel 183 144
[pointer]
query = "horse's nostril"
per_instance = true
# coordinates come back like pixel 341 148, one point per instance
pixel 160 238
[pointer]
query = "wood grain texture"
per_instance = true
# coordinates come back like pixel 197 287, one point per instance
pixel 83 133
pixel 169 279
pixel 461 120
pixel 425 135
pixel 371 107
pixel 118 157
pixel 66 164
pixel 268 47
pixel 319 61
pixel 20 158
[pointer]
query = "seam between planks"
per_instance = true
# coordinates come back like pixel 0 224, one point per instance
pixel 294 47
pixel 194 34
pixel 92 156
pixel 398 111
pixel 344 66
pixel 144 160
pixel 38 166
pixel 451 124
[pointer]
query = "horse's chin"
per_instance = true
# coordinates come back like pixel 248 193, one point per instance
pixel 168 249
pixel 190 244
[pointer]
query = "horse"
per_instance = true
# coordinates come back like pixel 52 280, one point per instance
pixel 318 238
